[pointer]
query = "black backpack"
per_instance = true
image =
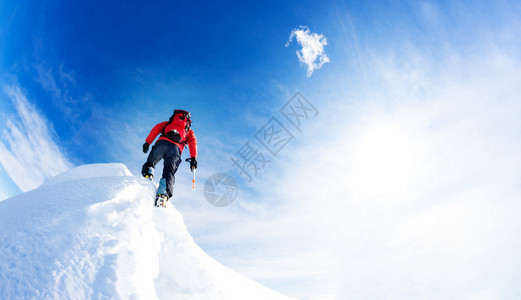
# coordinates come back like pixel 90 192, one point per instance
pixel 178 126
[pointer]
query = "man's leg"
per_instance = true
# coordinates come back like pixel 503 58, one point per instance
pixel 155 155
pixel 171 163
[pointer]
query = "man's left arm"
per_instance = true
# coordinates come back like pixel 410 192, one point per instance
pixel 192 146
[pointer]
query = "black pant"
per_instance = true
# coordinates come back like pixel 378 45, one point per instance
pixel 172 158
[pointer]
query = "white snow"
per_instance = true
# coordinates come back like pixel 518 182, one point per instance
pixel 93 233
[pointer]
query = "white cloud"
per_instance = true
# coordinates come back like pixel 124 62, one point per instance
pixel 312 53
pixel 28 153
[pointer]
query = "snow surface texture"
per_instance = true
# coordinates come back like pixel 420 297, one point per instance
pixel 93 233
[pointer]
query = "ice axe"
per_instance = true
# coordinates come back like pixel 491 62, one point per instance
pixel 193 173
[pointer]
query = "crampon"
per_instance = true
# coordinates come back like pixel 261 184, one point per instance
pixel 161 200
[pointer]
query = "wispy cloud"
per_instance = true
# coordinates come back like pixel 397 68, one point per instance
pixel 420 184
pixel 57 83
pixel 60 84
pixel 2 195
pixel 413 187
pixel 28 153
pixel 312 53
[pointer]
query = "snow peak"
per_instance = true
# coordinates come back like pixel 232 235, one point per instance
pixel 178 126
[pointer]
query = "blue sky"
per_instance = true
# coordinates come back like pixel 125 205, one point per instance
pixel 415 144
pixel 98 66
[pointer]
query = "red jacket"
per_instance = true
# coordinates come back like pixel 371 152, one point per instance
pixel 190 138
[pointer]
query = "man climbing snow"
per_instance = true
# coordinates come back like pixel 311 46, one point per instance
pixel 175 135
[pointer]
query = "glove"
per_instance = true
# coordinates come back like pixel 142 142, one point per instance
pixel 145 147
pixel 193 163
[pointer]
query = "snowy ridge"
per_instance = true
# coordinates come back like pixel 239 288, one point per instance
pixel 85 235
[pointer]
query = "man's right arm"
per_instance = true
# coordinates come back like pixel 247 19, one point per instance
pixel 155 132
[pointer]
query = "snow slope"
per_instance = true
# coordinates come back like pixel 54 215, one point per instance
pixel 93 233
